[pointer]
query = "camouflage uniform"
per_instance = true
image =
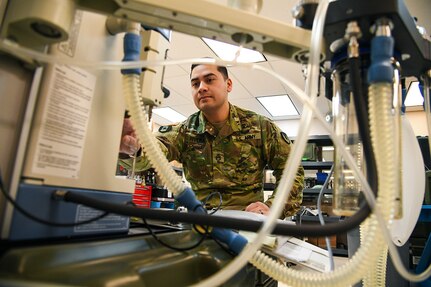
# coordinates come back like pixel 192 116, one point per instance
pixel 232 160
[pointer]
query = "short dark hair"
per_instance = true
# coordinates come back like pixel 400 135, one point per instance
pixel 221 69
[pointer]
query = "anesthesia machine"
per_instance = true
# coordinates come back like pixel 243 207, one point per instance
pixel 70 68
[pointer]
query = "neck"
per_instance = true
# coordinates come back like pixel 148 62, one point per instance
pixel 217 116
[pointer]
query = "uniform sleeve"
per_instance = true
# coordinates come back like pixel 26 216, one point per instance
pixel 277 148
pixel 168 138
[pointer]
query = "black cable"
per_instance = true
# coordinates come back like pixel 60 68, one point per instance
pixel 220 221
pixel 41 220
pixel 209 197
pixel 203 236
pixel 207 233
pixel 361 107
pixel 222 246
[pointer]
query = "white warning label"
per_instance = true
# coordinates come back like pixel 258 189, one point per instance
pixel 67 111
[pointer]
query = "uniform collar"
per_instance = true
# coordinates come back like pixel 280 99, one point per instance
pixel 234 123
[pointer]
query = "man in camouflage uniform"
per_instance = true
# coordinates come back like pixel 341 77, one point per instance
pixel 224 148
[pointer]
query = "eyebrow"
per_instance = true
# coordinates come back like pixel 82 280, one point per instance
pixel 205 76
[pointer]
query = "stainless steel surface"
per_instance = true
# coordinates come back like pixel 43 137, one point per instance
pixel 133 261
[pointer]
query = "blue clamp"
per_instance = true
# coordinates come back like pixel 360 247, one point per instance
pixel 132 50
pixel 233 240
pixel 381 69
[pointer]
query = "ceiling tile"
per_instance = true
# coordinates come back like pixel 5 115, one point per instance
pixel 252 105
pixel 179 85
pixel 238 89
pixel 185 46
pixel 174 71
pixel 186 110
pixel 289 70
pixel 256 82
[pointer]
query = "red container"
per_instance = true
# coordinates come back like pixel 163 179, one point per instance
pixel 142 196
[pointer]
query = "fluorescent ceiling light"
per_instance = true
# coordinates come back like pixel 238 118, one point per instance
pixel 327 148
pixel 227 52
pixel 169 114
pixel 414 96
pixel 278 106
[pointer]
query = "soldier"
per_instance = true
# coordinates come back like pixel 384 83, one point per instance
pixel 223 148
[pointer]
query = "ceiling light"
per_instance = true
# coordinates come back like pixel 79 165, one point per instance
pixel 278 106
pixel 414 96
pixel 227 52
pixel 169 114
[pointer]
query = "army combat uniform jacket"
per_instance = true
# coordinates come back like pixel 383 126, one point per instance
pixel 231 160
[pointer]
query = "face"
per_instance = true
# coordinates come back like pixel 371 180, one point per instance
pixel 209 88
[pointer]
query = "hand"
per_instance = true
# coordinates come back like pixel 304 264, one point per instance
pixel 258 207
pixel 129 142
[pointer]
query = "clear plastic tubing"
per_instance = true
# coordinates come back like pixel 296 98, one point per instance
pixel 383 132
pixel 296 91
pixel 223 277
pixel 19 51
pixel 291 165
pixel 158 160
pixel 351 272
pixel 346 188
pixel 363 253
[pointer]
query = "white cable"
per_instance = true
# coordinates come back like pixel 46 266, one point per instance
pixel 322 220
pixel 284 274
pixel 369 195
pixel 19 51
pixel 291 165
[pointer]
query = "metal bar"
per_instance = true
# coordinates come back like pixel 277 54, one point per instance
pixel 215 21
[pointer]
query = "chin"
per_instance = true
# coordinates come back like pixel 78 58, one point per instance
pixel 204 106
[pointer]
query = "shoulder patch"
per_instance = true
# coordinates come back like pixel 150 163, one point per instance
pixel 165 129
pixel 286 139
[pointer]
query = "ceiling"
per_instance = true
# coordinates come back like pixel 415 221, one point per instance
pixel 249 84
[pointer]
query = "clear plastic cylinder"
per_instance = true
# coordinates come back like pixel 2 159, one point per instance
pixel 346 188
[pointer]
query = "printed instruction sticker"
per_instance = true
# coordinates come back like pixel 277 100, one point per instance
pixel 64 124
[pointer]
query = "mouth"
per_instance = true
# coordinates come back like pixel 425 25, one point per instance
pixel 204 98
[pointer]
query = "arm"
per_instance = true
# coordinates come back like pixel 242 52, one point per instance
pixel 167 137
pixel 278 147
pixel 129 142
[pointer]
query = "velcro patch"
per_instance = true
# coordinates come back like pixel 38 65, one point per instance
pixel 165 129
pixel 255 136
pixel 284 136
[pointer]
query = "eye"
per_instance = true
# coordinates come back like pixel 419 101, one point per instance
pixel 209 80
pixel 194 84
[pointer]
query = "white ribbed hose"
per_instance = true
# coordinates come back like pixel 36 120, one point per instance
pixel 383 137
pixel 132 93
pixel 14 49
pixel 358 266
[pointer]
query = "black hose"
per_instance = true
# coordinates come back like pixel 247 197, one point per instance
pixel 361 108
pixel 250 225
pixel 219 221
pixel 42 220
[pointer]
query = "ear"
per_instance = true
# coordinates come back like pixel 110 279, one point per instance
pixel 229 85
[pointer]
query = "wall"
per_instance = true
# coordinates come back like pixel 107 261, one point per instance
pixel 418 122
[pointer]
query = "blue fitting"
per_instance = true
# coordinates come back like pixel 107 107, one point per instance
pixel 381 69
pixel 132 50
pixel 233 240
pixel 188 199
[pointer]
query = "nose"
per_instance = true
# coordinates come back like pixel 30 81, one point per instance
pixel 202 86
